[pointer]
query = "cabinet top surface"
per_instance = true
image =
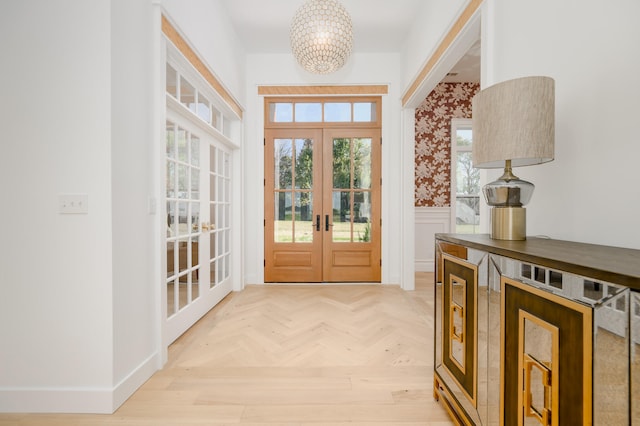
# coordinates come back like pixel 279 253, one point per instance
pixel 613 264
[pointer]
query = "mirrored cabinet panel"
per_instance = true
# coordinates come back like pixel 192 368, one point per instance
pixel 461 330
pixel 537 332
pixel 635 357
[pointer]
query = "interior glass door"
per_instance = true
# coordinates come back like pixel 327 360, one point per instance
pixel 198 225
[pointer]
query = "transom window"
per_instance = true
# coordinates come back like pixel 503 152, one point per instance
pixel 332 110
pixel 197 101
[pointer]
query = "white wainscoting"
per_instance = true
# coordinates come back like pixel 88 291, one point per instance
pixel 429 222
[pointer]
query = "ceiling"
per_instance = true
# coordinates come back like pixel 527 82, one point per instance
pixel 378 26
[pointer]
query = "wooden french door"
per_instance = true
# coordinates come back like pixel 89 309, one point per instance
pixel 322 205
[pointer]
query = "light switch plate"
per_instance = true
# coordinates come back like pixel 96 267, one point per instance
pixel 73 203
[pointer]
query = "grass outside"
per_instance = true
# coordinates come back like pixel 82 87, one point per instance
pixel 467 229
pixel 341 231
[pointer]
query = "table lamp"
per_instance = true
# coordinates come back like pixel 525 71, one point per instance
pixel 513 126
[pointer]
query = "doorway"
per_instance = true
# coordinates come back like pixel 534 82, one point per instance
pixel 199 188
pixel 322 190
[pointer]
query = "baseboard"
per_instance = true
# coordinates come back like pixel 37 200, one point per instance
pixel 77 400
pixel 127 386
pixel 424 265
pixel 56 400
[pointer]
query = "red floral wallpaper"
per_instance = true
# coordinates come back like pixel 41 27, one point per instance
pixel 433 141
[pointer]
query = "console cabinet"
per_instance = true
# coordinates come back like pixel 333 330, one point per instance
pixel 536 332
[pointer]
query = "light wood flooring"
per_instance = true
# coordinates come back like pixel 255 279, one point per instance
pixel 292 355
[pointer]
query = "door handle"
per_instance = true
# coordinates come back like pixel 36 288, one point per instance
pixel 317 222
pixel 326 222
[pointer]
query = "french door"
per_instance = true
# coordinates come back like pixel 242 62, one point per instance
pixel 198 224
pixel 322 205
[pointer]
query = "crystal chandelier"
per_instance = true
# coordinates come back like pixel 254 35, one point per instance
pixel 321 36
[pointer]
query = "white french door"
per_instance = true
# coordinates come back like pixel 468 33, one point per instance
pixel 198 224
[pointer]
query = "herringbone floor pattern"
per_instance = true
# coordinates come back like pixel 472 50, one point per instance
pixel 293 355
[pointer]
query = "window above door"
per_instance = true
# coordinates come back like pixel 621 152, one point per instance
pixel 332 112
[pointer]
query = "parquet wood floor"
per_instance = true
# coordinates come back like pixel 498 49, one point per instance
pixel 292 356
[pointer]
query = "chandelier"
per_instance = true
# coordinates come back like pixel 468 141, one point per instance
pixel 321 36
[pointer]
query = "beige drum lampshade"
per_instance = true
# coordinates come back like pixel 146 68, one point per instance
pixel 514 120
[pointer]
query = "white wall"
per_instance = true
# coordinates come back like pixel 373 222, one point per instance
pixel 281 69
pixel 589 193
pixel 136 276
pixel 79 311
pixel 55 288
pixel 206 26
pixel 431 24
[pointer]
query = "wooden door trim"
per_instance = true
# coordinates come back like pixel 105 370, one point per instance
pixel 376 89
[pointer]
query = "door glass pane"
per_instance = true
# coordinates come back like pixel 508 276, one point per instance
pixel 195 184
pixel 281 112
pixel 304 163
pixel 172 221
pixel 212 159
pixel 183 181
pixel 170 258
pixel 182 145
pixel 195 217
pixel 304 217
pixel 212 216
pixel 362 163
pixel 227 168
pixel 171 140
pixel 218 270
pixel 341 232
pixel 171 179
pixel 283 225
pixel 342 163
pixel 212 245
pixel 364 111
pixel 337 111
pixel 195 151
pixel 212 187
pixel 182 256
pixel 182 218
pixel 223 163
pixel 195 280
pixel 308 112
pixel 212 273
pixel 282 163
pixel 172 289
pixel 194 253
pixel 362 217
